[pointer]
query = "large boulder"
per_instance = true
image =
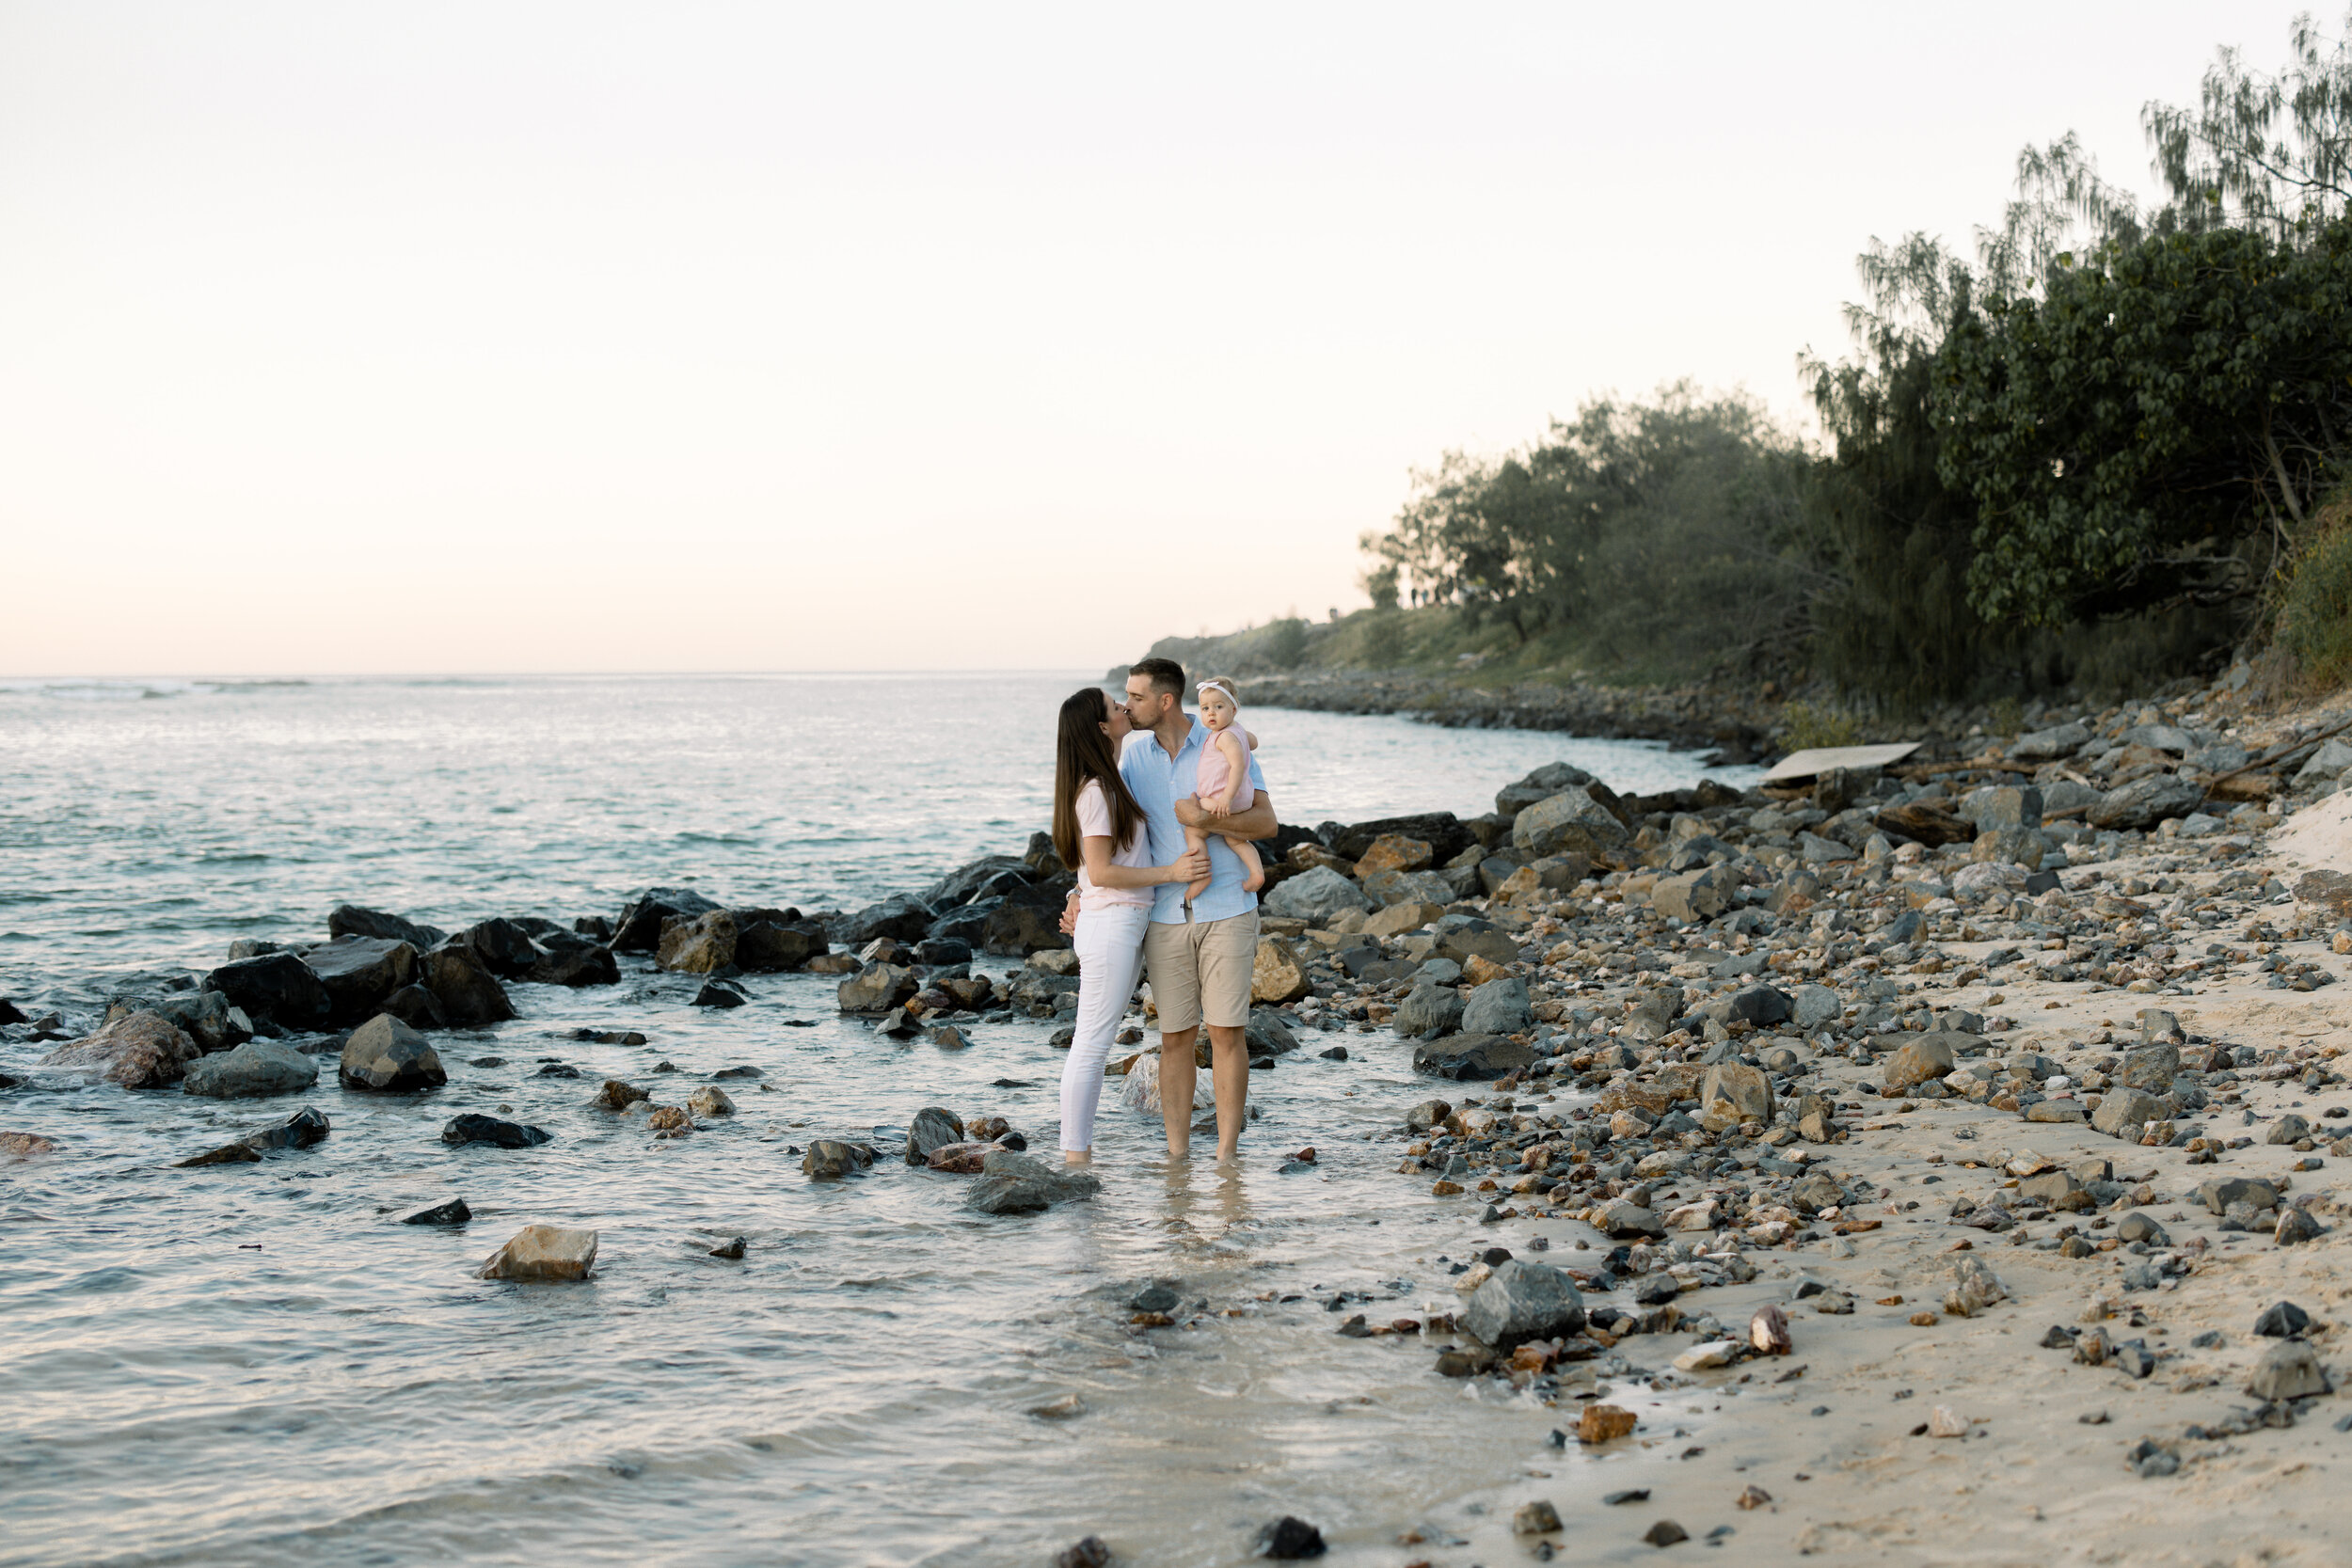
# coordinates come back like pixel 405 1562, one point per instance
pixel 877 988
pixel 639 928
pixel 1522 1300
pixel 830 1159
pixel 1394 852
pixel 416 1007
pixel 772 941
pixel 2122 1113
pixel 978 879
pixel 1499 1007
pixel 933 1127
pixel 138 1051
pixel 1385 888
pixel 503 946
pixel 1444 833
pixel 1317 897
pixel 900 917
pixel 2145 802
pixel 1462 938
pixel 1917 1060
pixel 700 945
pixel 1012 1183
pixel 1018 927
pixel 1542 785
pixel 254 1070
pixel 351 920
pixel 385 1054
pixel 589 965
pixel 1569 822
pixel 469 995
pixel 359 973
pixel 1277 975
pixel 276 986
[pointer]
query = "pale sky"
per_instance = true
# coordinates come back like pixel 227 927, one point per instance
pixel 582 337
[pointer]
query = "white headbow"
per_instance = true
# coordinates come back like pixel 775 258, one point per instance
pixel 1222 690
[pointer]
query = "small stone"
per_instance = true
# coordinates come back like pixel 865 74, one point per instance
pixel 1289 1539
pixel 1631 1495
pixel 1665 1533
pixel 1604 1423
pixel 1707 1355
pixel 731 1248
pixel 710 1103
pixel 387 1056
pixel 453 1213
pixel 617 1096
pixel 1768 1331
pixel 1537 1519
pixel 2296 1225
pixel 2282 1320
pixel 471 1128
pixel 1089 1553
pixel 1943 1422
pixel 1754 1498
pixel 829 1160
pixel 2287 1371
pixel 542 1254
pixel 2137 1226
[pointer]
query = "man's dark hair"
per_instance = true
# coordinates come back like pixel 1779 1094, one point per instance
pixel 1166 675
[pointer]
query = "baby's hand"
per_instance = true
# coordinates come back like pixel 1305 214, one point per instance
pixel 1216 808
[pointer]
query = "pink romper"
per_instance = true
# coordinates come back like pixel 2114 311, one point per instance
pixel 1215 773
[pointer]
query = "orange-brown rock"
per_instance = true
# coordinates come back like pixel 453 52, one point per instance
pixel 1394 852
pixel 1604 1423
pixel 961 1159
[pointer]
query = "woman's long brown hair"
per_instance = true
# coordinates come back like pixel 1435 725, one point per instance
pixel 1083 752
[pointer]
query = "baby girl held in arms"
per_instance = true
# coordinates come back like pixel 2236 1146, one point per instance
pixel 1223 782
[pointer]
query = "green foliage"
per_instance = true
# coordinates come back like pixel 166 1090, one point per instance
pixel 1380 582
pixel 1660 533
pixel 2315 614
pixel 2126 436
pixel 1810 726
pixel 1386 645
pixel 1286 642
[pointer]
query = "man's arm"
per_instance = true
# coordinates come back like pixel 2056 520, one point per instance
pixel 1255 823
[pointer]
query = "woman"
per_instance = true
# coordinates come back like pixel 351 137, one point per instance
pixel 1098 828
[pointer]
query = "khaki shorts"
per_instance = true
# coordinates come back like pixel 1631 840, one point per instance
pixel 1203 966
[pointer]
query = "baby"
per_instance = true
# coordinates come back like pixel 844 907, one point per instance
pixel 1223 785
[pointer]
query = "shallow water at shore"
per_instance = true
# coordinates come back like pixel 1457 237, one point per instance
pixel 260 1364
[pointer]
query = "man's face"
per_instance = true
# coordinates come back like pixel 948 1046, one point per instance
pixel 1146 705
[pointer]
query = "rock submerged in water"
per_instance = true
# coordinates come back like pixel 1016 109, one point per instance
pixel 471 1128
pixel 1013 1183
pixel 254 1070
pixel 710 1103
pixel 359 973
pixel 830 1159
pixel 1522 1300
pixel 543 1255
pixel 24 1145
pixel 276 986
pixel 306 1127
pixel 138 1051
pixel 453 1213
pixel 385 1055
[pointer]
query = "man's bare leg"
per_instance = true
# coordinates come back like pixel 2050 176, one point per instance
pixel 1228 1069
pixel 1177 1073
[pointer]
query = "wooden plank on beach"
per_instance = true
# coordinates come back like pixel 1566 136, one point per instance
pixel 1820 759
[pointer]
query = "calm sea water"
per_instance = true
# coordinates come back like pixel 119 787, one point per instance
pixel 258 1363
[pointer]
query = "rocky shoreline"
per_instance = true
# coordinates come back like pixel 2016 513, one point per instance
pixel 1699 1057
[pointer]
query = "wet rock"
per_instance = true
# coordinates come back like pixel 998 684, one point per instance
pixel 1499 1007
pixel 2282 1320
pixel 618 1096
pixel 303 1129
pixel 2144 803
pixel 1570 822
pixel 1427 1012
pixel 207 1018
pixel 416 1006
pixel 1473 1058
pixel 963 1159
pixel 2288 1371
pixel 24 1145
pixel 1604 1423
pixel 453 1213
pixel 829 1160
pixel 669 1121
pixel 933 1127
pixel 710 1103
pixel 1622 1219
pixel 1536 1518
pixel 254 1070
pixel 351 920
pixel 1290 1539
pixel 543 1255
pixel 471 1128
pixel 227 1154
pixel 276 986
pixel 774 941
pixel 1429 1114
pixel 387 1056
pixel 1733 1093
pixel 719 993
pixel 699 946
pixel 1317 896
pixel 574 967
pixel 359 973
pixel 877 988
pixel 138 1051
pixel 639 928
pixel 731 1249
pixel 1014 1183
pixel 503 947
pixel 1022 925
pixel 900 916
pixel 469 995
pixel 1276 975
pixel 1089 1552
pixel 1522 1300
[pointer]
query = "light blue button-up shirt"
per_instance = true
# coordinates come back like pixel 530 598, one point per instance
pixel 1159 780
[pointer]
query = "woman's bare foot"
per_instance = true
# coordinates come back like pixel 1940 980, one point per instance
pixel 1077 1156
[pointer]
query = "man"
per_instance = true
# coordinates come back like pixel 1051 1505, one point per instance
pixel 1200 956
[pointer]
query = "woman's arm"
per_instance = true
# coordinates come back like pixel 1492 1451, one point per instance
pixel 1188 867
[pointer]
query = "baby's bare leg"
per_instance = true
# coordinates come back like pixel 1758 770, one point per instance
pixel 1253 869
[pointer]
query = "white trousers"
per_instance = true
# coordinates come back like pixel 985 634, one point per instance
pixel 1110 955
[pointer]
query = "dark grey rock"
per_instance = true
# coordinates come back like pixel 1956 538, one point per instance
pixel 490 1130
pixel 2282 1320
pixel 453 1213
pixel 359 973
pixel 1014 1183
pixel 638 929
pixel 1427 1012
pixel 2288 1371
pixel 1499 1007
pixel 254 1070
pixel 278 987
pixel 931 1128
pixel 469 995
pixel 351 920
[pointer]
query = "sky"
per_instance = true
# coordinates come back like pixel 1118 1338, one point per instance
pixel 355 339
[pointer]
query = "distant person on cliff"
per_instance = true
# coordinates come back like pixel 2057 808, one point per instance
pixel 1098 829
pixel 1201 951
pixel 1225 779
